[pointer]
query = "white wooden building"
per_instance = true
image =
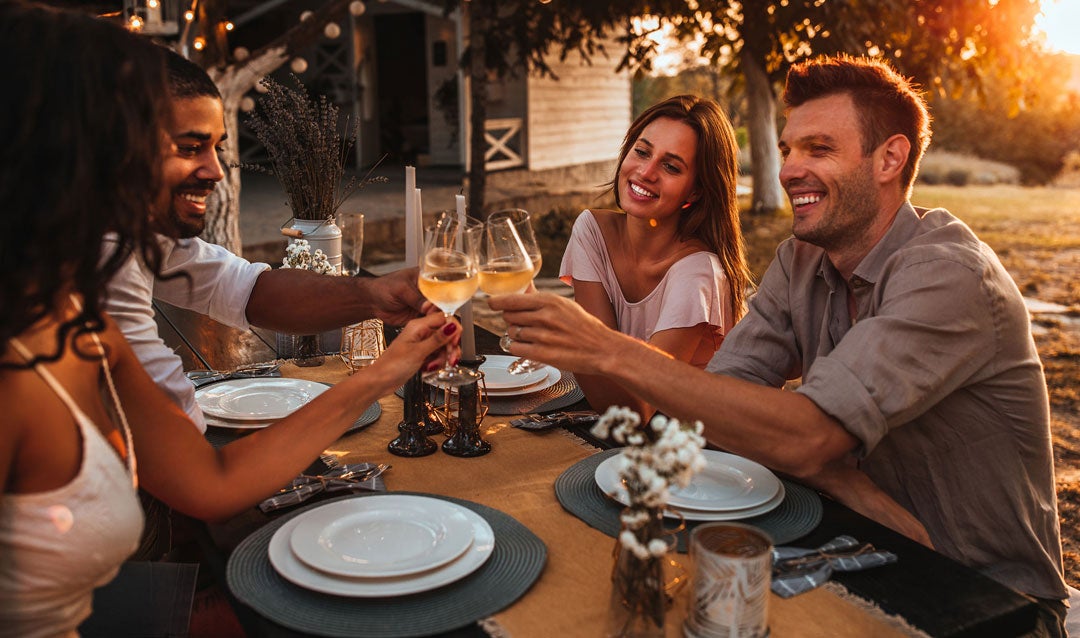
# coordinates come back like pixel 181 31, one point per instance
pixel 398 74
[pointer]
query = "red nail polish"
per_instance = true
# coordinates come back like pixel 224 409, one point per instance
pixel 449 329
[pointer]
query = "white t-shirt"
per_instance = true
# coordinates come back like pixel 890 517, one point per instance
pixel 694 290
pixel 220 287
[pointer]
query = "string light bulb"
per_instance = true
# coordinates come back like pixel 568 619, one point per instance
pixel 298 65
pixel 189 15
pixel 357 8
pixel 332 30
pixel 229 26
pixel 135 23
pixel 152 4
pixel 199 44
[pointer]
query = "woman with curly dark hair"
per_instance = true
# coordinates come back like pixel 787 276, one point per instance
pixel 81 144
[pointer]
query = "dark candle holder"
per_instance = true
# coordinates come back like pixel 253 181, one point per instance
pixel 434 397
pixel 465 438
pixel 411 439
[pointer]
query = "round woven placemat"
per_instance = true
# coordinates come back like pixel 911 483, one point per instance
pixel 577 491
pixel 564 393
pixel 222 436
pixel 514 565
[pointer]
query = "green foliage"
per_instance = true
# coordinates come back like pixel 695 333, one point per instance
pixel 957 177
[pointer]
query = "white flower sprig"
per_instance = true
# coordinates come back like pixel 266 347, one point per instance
pixel 298 255
pixel 663 453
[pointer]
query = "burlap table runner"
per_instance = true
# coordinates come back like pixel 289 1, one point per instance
pixel 572 595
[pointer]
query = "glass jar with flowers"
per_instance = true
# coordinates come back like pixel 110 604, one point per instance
pixel 660 454
pixel 306 349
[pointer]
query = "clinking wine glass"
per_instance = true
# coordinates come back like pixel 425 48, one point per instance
pixel 448 279
pixel 519 220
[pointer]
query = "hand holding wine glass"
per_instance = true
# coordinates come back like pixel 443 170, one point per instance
pixel 448 279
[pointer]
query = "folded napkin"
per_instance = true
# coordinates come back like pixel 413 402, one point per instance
pixel 353 476
pixel 554 420
pixel 797 570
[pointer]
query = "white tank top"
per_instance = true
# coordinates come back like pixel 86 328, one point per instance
pixel 57 546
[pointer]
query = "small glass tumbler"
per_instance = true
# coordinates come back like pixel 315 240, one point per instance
pixel 729 586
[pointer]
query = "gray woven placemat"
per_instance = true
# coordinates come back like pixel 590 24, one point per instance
pixel 578 493
pixel 564 393
pixel 513 567
pixel 223 436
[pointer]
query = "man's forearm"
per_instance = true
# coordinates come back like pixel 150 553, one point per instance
pixel 781 429
pixel 300 301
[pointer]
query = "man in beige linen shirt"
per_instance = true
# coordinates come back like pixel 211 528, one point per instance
pixel 922 403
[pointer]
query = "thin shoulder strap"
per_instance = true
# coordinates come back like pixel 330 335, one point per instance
pixel 73 407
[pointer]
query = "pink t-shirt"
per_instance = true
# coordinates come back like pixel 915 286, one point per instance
pixel 693 291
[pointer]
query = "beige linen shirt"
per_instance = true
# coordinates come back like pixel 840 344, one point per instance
pixel 938 377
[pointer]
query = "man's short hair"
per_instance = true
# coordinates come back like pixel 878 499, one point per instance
pixel 188 80
pixel 887 102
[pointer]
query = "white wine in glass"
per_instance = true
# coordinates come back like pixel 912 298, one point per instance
pixel 520 223
pixel 505 265
pixel 448 279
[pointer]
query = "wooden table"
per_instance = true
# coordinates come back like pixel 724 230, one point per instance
pixel 922 590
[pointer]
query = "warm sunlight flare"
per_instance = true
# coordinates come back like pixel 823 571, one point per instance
pixel 1060 21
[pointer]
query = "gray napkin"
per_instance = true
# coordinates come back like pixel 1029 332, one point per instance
pixel 353 476
pixel 797 570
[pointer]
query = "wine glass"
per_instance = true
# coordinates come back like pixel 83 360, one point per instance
pixel 505 264
pixel 352 241
pixel 519 220
pixel 448 279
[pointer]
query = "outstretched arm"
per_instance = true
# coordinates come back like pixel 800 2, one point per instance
pixel 176 464
pixel 300 301
pixel 757 422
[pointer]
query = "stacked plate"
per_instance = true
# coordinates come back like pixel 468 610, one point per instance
pixel 500 383
pixel 380 546
pixel 256 402
pixel 729 488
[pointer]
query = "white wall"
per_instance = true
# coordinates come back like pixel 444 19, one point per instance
pixel 580 118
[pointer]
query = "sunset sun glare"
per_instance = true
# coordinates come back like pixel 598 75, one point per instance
pixel 1060 21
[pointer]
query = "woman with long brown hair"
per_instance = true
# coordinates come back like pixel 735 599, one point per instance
pixel 669 267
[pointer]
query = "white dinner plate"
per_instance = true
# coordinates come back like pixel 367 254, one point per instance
pixel 727 483
pixel 553 377
pixel 497 377
pixel 257 399
pixel 730 515
pixel 236 425
pixel 381 536
pixel 293 570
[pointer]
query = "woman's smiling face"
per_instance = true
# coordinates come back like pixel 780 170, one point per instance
pixel 659 175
